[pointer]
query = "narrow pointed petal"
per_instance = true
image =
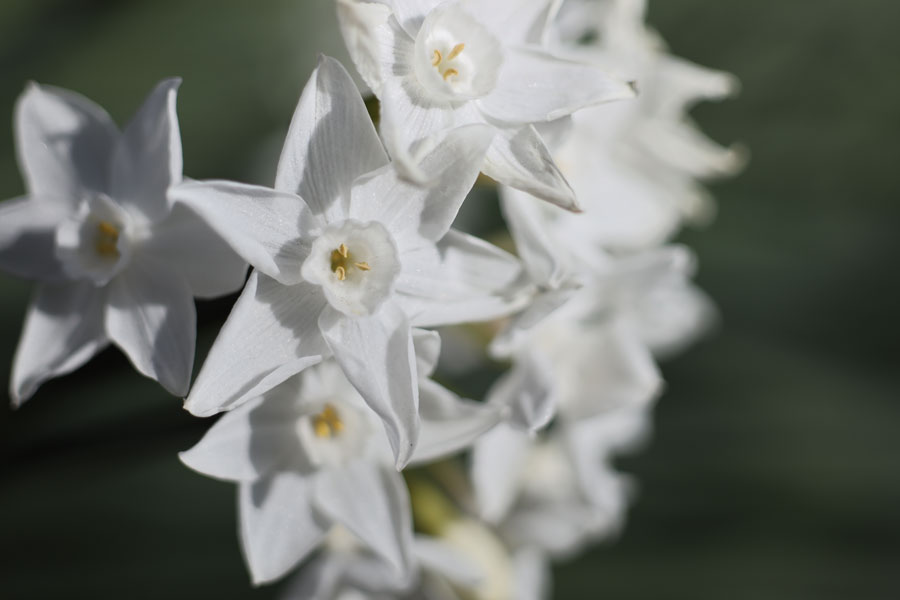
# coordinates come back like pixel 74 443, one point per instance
pixel 427 345
pixel 28 238
pixel 247 443
pixel 263 226
pixel 498 461
pixel 147 160
pixel 270 335
pixel 318 579
pixel 526 392
pixel 529 227
pixel 150 315
pixel 451 168
pixel 467 279
pixel 373 503
pixel 376 354
pixel 278 525
pixel 368 31
pixel 330 143
pixel 536 86
pixel 63 330
pixel 189 245
pixel 520 159
pixel 532 575
pixel 440 557
pixel 449 423
pixel 64 143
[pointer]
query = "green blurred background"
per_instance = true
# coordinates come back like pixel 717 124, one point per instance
pixel 773 472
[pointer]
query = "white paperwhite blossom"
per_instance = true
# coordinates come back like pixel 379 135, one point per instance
pixel 437 65
pixel 310 454
pixel 351 267
pixel 115 260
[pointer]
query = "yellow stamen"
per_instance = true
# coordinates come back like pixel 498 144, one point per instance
pixel 436 58
pixel 107 239
pixel 327 423
pixel 450 72
pixel 362 266
pixel 341 273
pixel 457 49
pixel 342 250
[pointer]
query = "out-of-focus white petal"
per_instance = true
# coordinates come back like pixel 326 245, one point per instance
pixel 449 423
pixel 147 159
pixel 518 22
pixel 532 575
pixel 370 35
pixel 271 334
pixel 150 315
pixel 439 557
pixel 526 392
pixel 278 525
pixel 468 280
pixel 331 142
pixel 498 460
pixel 411 13
pixel 27 238
pixel 247 443
pixel 451 169
pixel 520 159
pixel 262 225
pixel 542 257
pixel 373 503
pixel 63 330
pixel 427 345
pixel 376 354
pixel 536 86
pixel 64 143
pixel 188 244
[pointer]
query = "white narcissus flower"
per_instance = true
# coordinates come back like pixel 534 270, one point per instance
pixel 115 260
pixel 351 267
pixel 310 455
pixel 437 65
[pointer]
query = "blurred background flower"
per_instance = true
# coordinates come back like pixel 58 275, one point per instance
pixel 773 470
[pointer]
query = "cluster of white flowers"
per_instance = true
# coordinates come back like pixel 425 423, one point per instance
pixel 324 364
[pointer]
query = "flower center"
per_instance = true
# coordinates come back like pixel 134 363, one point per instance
pixel 106 242
pixel 341 260
pixel 327 424
pixel 446 65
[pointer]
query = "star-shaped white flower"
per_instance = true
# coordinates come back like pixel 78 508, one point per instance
pixel 353 266
pixel 310 456
pixel 436 65
pixel 116 261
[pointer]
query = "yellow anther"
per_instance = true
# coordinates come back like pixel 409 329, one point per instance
pixel 362 266
pixel 341 273
pixel 450 73
pixel 107 239
pixel 327 423
pixel 457 49
pixel 436 58
pixel 342 250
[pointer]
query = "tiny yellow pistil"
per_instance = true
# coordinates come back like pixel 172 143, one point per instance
pixel 327 423
pixel 107 239
pixel 341 261
pixel 437 60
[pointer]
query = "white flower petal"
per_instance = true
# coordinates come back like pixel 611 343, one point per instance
pixel 262 225
pixel 451 169
pixel 517 22
pixel 531 232
pixel 498 462
pixel 467 279
pixel 27 238
pixel 520 159
pixel 278 525
pixel 271 334
pixel 63 330
pixel 376 354
pixel 370 35
pixel 532 575
pixel 373 503
pixel 150 315
pixel 147 159
pixel 248 442
pixel 411 13
pixel 64 143
pixel 449 423
pixel 318 579
pixel 527 392
pixel 330 143
pixel 537 86
pixel 187 243
pixel 439 557
pixel 427 345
